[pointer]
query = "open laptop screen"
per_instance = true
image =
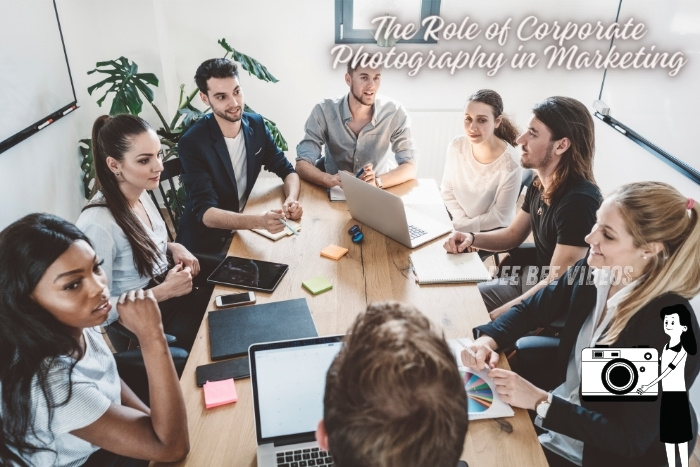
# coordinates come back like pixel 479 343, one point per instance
pixel 289 381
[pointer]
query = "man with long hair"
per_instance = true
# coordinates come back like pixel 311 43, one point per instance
pixel 559 208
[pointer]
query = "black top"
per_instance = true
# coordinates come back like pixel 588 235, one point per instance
pixel 613 433
pixel 566 221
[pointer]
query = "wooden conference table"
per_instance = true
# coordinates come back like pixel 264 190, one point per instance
pixel 376 269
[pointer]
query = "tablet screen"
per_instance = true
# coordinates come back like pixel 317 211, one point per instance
pixel 248 273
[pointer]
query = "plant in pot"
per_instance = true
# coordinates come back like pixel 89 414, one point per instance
pixel 128 88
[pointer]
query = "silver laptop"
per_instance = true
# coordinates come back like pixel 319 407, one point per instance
pixel 289 380
pixel 387 214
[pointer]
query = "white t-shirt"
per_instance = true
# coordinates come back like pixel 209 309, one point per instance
pixel 480 196
pixel 237 153
pixel 112 246
pixel 95 386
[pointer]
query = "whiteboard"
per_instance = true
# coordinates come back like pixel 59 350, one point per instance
pixel 661 108
pixel 35 81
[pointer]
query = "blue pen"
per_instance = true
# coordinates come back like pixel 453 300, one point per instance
pixel 358 174
pixel 291 229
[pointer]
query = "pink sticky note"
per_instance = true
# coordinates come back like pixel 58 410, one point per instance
pixel 219 393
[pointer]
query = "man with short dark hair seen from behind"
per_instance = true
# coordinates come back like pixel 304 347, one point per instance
pixel 394 396
pixel 222 155
pixel 559 209
pixel 360 131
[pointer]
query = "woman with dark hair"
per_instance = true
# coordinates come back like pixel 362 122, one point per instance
pixel 482 176
pixel 676 424
pixel 129 233
pixel 62 399
pixel 644 257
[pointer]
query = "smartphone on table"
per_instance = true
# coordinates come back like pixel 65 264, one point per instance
pixel 244 298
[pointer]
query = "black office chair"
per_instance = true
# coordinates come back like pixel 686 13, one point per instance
pixel 172 194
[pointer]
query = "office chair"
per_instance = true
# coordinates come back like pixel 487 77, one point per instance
pixel 172 204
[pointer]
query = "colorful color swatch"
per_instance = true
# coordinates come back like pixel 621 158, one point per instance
pixel 479 393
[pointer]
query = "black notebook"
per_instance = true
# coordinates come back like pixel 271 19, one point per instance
pixel 233 330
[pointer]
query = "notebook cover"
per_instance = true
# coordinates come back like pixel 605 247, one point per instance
pixel 334 252
pixel 236 368
pixel 317 284
pixel 233 330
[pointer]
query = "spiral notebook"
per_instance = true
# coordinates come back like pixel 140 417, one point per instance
pixel 433 265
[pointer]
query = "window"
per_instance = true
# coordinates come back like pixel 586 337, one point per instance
pixel 353 18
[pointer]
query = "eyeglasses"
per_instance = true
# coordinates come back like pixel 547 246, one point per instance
pixel 356 234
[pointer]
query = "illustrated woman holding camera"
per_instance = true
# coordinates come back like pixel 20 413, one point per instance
pixel 676 425
pixel 652 232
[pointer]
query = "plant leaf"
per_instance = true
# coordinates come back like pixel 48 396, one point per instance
pixel 248 63
pixel 127 85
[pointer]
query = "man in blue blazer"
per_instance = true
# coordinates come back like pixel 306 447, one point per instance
pixel 222 155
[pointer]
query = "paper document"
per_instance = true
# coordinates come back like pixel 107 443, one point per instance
pixel 482 399
pixel 433 265
pixel 336 193
pixel 282 233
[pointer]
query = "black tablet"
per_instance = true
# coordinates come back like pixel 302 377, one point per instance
pixel 248 273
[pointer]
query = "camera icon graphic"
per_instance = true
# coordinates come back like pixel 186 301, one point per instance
pixel 615 374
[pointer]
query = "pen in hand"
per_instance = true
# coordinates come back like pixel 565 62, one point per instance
pixel 471 352
pixel 360 172
pixel 286 224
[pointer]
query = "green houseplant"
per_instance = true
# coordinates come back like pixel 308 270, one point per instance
pixel 129 88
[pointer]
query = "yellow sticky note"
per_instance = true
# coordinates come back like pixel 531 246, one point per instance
pixel 219 393
pixel 334 252
pixel 317 284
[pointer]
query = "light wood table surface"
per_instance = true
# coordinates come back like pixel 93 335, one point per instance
pixel 376 269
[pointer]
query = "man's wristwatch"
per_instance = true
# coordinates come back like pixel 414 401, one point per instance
pixel 379 183
pixel 542 406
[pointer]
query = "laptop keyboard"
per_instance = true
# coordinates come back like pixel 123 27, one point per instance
pixel 415 232
pixel 303 458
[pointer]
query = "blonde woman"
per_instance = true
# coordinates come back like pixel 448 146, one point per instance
pixel 482 177
pixel 644 256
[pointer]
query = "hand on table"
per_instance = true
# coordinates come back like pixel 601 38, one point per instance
pixel 270 221
pixel 292 209
pixel 458 242
pixel 368 175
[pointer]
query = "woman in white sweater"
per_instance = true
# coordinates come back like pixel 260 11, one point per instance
pixel 482 177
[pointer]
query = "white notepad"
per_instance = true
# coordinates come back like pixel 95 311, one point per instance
pixel 282 233
pixel 336 193
pixel 433 265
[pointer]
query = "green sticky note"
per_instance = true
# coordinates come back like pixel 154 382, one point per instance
pixel 317 284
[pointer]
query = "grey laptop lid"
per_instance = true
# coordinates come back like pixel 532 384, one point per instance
pixel 288 379
pixel 386 213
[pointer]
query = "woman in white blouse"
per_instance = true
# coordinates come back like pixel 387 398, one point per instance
pixel 128 232
pixel 482 176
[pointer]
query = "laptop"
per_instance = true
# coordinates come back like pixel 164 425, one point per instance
pixel 386 213
pixel 289 380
